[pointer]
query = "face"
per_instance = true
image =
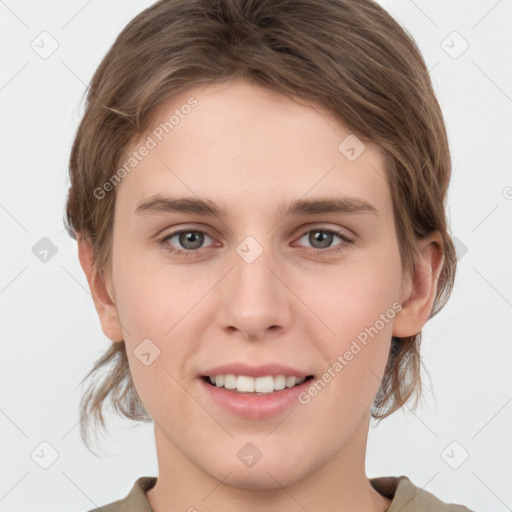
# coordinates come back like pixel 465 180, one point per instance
pixel 311 291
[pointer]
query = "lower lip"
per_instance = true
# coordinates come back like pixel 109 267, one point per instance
pixel 255 407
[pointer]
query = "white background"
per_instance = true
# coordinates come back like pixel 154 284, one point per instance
pixel 50 334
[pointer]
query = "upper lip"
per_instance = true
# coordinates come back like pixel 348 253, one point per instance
pixel 255 371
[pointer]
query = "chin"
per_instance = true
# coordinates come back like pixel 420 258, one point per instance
pixel 265 475
pixel 259 481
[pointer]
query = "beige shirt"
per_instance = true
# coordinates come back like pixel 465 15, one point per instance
pixel 405 496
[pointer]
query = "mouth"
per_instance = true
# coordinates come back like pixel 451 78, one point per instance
pixel 247 385
pixel 259 397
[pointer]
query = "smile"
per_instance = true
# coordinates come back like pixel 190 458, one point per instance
pixel 263 385
pixel 240 401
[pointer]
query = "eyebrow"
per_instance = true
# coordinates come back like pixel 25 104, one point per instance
pixel 346 205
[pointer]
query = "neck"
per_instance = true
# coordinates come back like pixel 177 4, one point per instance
pixel 337 485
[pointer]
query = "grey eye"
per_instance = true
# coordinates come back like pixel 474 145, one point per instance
pixel 191 239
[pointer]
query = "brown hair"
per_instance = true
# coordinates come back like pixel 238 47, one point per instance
pixel 349 56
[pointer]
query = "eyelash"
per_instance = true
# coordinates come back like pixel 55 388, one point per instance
pixel 317 252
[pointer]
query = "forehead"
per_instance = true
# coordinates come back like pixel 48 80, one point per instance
pixel 245 145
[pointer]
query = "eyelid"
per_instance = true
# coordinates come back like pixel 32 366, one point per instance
pixel 334 229
pixel 346 241
pixel 178 231
pixel 173 230
pixel 304 230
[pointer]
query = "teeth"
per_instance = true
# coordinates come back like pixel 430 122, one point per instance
pixel 264 384
pixel 279 382
pixel 246 384
pixel 291 381
pixel 229 381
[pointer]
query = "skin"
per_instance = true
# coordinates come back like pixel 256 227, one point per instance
pixel 251 149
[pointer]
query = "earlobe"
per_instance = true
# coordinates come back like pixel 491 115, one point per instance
pixel 103 302
pixel 422 287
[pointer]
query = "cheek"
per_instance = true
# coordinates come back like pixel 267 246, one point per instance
pixel 358 304
pixel 353 297
pixel 152 301
pixel 158 318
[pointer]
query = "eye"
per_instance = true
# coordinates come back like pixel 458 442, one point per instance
pixel 190 239
pixel 322 238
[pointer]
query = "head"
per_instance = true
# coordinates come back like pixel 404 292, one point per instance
pixel 265 97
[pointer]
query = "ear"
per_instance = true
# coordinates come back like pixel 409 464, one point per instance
pixel 419 290
pixel 105 306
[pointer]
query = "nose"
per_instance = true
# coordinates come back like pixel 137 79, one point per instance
pixel 255 302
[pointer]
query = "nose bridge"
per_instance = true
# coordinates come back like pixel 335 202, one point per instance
pixel 253 281
pixel 255 299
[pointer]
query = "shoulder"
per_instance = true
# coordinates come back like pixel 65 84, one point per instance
pixel 407 497
pixel 135 500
